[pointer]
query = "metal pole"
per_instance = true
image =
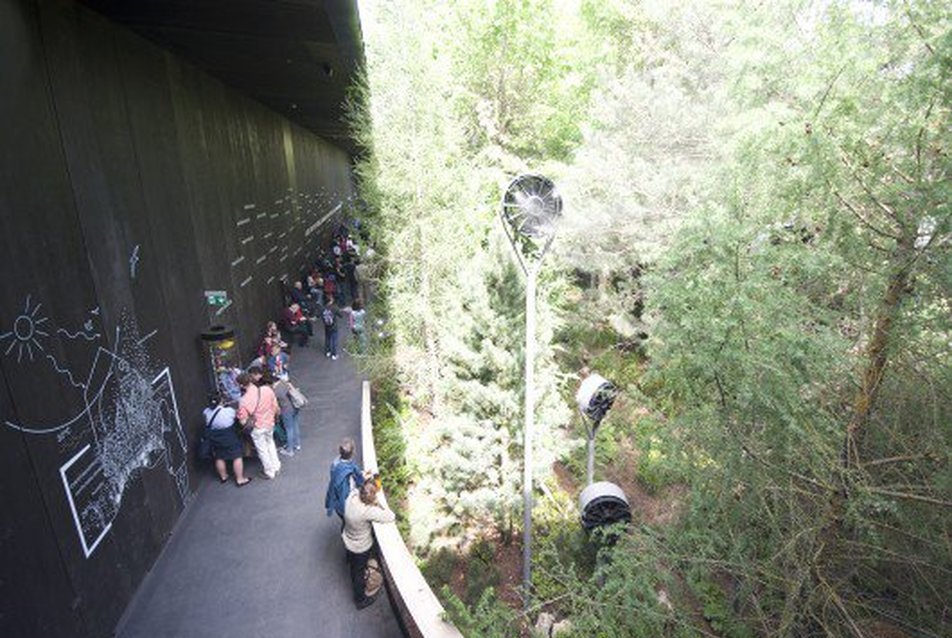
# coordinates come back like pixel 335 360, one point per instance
pixel 591 456
pixel 527 450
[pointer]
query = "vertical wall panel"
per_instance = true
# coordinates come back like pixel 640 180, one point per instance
pixel 47 289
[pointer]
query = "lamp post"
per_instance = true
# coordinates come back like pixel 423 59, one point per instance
pixel 595 397
pixel 601 504
pixel 531 206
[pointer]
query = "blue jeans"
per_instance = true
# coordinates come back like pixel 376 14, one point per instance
pixel 330 340
pixel 290 420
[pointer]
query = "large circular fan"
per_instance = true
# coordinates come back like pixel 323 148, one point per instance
pixel 530 209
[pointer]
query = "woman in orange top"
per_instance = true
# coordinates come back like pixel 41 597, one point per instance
pixel 261 404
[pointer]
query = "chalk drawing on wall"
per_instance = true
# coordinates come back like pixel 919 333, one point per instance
pixel 27 328
pixel 129 422
pixel 134 261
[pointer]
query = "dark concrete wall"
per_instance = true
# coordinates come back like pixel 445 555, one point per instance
pixel 130 183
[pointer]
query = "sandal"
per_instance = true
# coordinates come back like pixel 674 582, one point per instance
pixel 247 480
pixel 222 479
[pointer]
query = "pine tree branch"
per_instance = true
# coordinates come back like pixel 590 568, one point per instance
pixel 898 459
pixel 838 603
pixel 918 30
pixel 863 220
pixel 829 88
pixel 921 135
pixel 907 534
pixel 911 497
pixel 867 552
pixel 790 473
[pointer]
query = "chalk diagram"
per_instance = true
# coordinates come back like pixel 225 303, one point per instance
pixel 129 422
pixel 134 261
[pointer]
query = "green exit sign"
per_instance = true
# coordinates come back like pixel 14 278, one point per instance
pixel 216 297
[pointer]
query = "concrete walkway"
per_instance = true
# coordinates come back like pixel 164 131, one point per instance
pixel 265 560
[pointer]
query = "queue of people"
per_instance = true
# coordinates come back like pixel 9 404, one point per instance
pixel 322 294
pixel 262 405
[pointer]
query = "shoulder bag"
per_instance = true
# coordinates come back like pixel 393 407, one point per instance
pixel 296 397
pixel 205 443
pixel 249 424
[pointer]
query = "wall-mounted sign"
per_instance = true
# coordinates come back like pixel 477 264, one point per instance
pixel 216 297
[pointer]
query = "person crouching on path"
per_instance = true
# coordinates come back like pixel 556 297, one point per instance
pixel 360 510
pixel 226 446
pixel 260 406
pixel 345 476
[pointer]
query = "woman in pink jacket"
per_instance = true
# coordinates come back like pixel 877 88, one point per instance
pixel 260 405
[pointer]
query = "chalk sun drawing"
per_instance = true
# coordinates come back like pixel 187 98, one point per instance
pixel 26 329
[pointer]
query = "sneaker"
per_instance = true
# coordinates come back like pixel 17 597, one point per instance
pixel 327 354
pixel 367 602
pixel 333 357
pixel 297 448
pixel 286 452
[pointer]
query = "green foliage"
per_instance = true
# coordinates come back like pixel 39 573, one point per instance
pixel 477 567
pixel 794 288
pixel 488 618
pixel 439 567
pixel 388 412
pixel 621 598
pixel 780 171
pixel 482 572
pixel 661 460
pixel 443 132
pixel 562 550
pixel 524 86
pixel 716 608
pixel 479 612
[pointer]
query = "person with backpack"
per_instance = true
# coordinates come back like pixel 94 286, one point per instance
pixel 329 316
pixel 346 475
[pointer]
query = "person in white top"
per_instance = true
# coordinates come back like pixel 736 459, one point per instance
pixel 360 510
pixel 225 444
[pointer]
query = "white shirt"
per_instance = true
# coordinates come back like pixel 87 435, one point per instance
pixel 224 419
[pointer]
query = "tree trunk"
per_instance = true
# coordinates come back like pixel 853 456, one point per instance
pixel 832 564
pixel 876 360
